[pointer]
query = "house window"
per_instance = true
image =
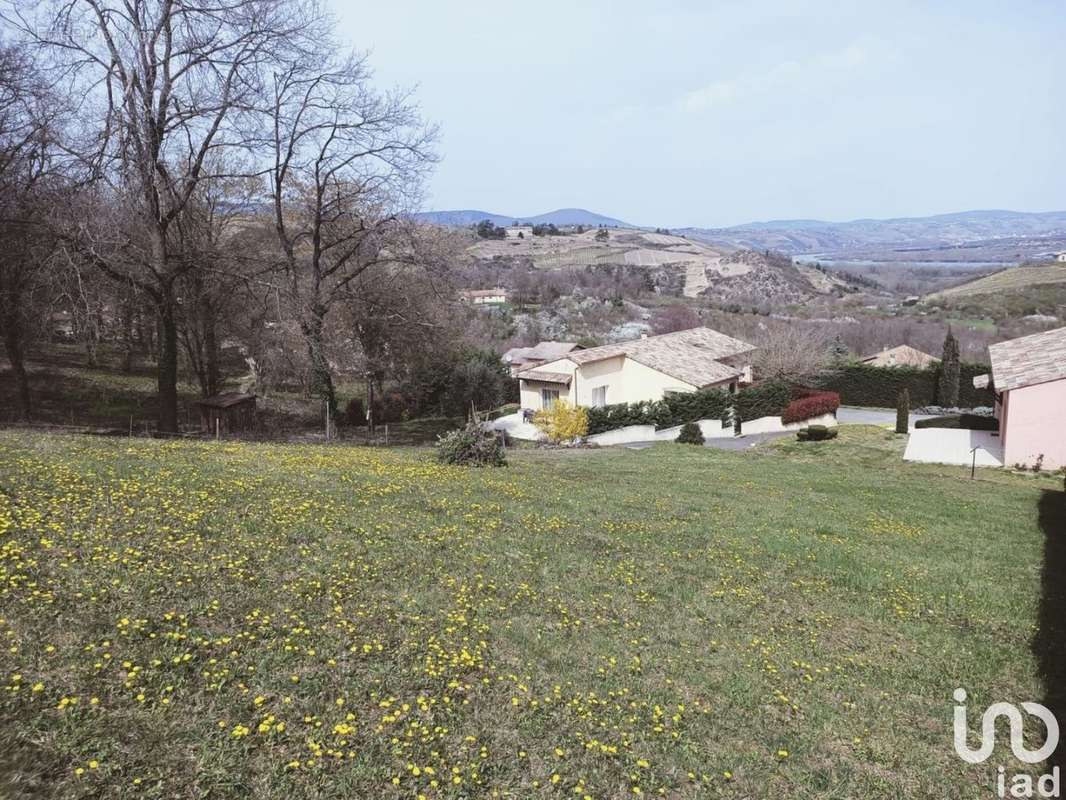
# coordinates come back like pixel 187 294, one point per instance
pixel 548 397
pixel 599 397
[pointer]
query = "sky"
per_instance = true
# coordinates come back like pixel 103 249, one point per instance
pixel 718 113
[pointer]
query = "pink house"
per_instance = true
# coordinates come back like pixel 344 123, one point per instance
pixel 1029 381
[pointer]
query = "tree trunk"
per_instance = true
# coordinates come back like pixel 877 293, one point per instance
pixel 211 350
pixel 321 379
pixel 13 345
pixel 168 366
pixel 127 336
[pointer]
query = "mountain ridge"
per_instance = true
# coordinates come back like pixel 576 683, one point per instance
pixel 560 216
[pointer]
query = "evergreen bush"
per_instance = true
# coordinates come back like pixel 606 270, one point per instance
pixel 690 433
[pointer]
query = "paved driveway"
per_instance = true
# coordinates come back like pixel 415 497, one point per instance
pixel 953 446
pixel 847 415
pixel 745 442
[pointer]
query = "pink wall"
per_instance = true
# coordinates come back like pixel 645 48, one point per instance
pixel 1033 421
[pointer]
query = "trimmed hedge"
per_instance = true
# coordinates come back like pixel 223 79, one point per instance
pixel 765 400
pixel 621 415
pixel 879 387
pixel 810 403
pixel 816 433
pixel 762 400
pixel 968 422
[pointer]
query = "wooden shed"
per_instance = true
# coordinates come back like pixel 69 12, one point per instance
pixel 232 412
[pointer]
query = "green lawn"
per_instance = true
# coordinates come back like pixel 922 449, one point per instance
pixel 286 621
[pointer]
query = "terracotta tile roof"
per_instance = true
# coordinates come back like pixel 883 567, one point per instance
pixel 902 356
pixel 1037 358
pixel 693 356
pixel 693 367
pixel 542 351
pixel 544 376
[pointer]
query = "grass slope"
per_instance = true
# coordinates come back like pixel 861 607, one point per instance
pixel 1012 279
pixel 236 620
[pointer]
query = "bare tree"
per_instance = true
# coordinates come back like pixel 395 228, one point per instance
pixel 28 111
pixel 169 87
pixel 792 353
pixel 669 319
pixel 347 161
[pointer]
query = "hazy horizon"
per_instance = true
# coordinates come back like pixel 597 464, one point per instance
pixel 685 114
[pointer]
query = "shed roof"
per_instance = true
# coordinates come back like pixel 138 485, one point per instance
pixel 1037 358
pixel 544 376
pixel 225 400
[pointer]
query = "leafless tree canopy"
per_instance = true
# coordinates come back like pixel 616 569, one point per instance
pixel 178 101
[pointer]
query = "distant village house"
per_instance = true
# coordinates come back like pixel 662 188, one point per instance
pixel 902 356
pixel 518 232
pixel 484 297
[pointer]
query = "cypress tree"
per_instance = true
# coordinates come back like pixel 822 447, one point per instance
pixel 948 384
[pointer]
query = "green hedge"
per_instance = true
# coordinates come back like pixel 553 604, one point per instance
pixel 768 399
pixel 677 408
pixel 879 387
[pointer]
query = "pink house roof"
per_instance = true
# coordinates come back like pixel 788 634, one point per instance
pixel 1037 358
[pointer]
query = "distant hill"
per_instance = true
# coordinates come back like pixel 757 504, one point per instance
pixel 561 216
pixel 993 235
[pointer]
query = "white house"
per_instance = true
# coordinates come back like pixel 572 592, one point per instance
pixel 644 369
pixel 518 231
pixel 1060 256
pixel 484 297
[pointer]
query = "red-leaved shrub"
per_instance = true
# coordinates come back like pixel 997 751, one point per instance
pixel 809 403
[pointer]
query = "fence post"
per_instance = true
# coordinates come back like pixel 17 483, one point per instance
pixel 386 434
pixel 131 426
pixel 218 430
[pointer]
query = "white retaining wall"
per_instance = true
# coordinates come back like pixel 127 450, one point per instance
pixel 711 428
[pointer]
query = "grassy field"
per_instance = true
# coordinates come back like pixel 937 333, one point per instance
pixel 289 621
pixel 1007 280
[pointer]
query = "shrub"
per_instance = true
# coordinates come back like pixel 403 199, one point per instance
pixel 355 412
pixel 393 407
pixel 690 433
pixel 903 410
pixel 471 446
pixel 563 422
pixel 621 415
pixel 809 403
pixel 970 422
pixel 816 433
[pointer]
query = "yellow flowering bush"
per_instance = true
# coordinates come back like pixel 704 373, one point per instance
pixel 562 422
